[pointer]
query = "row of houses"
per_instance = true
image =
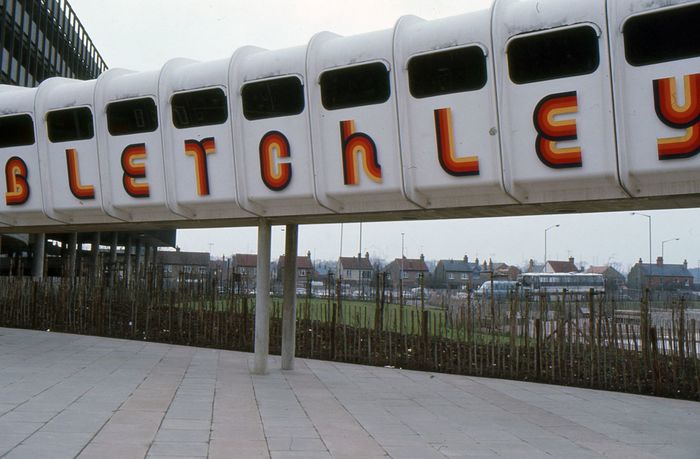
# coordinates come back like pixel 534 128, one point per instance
pixel 358 274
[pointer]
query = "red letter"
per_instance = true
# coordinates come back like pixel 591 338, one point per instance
pixel 199 150
pixel 79 191
pixel 672 114
pixel 468 165
pixel 134 171
pixel 16 179
pixel 551 131
pixel 354 143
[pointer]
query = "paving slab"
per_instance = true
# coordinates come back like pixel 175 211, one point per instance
pixel 65 395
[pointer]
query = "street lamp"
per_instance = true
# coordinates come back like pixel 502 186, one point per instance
pixel 649 218
pixel 545 244
pixel 662 246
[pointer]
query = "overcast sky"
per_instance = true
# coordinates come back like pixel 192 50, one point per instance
pixel 143 34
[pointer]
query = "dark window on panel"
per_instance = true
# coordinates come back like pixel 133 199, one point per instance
pixel 555 54
pixel 199 108
pixel 447 72
pixel 16 131
pixel 70 124
pixel 273 98
pixel 664 36
pixel 132 116
pixel 355 86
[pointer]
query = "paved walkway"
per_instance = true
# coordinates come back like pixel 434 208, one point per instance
pixel 67 395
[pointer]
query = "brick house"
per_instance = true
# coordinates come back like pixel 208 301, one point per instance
pixel 305 270
pixel 456 274
pixel 410 269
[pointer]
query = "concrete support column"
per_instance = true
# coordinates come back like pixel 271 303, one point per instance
pixel 72 254
pixel 262 298
pixel 39 252
pixel 289 306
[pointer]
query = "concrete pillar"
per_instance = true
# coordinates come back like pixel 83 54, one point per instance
pixel 262 298
pixel 39 254
pixel 72 254
pixel 289 305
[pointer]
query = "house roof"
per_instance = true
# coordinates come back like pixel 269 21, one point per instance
pixel 597 269
pixel 562 266
pixel 182 258
pixel 411 264
pixel 459 266
pixel 665 270
pixel 355 263
pixel 247 260
pixel 302 262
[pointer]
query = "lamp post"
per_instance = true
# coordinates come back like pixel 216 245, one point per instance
pixel 650 265
pixel 545 244
pixel 664 243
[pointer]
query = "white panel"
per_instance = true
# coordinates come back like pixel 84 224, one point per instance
pixel 660 159
pixel 449 142
pixel 70 169
pixel 584 168
pixel 275 174
pixel 367 188
pixel 22 205
pixel 139 193
pixel 199 160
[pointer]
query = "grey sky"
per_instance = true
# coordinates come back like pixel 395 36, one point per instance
pixel 143 34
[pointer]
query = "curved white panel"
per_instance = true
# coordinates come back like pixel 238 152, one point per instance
pixel 21 202
pixel 557 133
pixel 198 147
pixel 273 153
pixel 361 172
pixel 70 167
pixel 133 175
pixel 449 137
pixel 661 156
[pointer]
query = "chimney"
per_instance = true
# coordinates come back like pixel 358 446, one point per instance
pixel 685 264
pixel 640 260
pixel 367 255
pixel 308 254
pixel 466 259
pixel 571 260
pixel 659 261
pixel 531 264
pixel 422 257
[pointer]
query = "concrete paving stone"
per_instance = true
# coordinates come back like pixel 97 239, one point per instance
pixel 19 427
pixel 160 448
pixel 176 435
pixel 113 450
pixel 403 452
pixel 185 424
pixel 299 455
pixel 43 451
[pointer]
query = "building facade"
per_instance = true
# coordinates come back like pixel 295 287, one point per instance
pixel 42 39
pixel 456 274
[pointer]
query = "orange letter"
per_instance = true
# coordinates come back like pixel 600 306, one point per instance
pixel 357 142
pixel 468 165
pixel 551 131
pixel 672 114
pixel 134 171
pixel 275 175
pixel 16 178
pixel 78 190
pixel 199 150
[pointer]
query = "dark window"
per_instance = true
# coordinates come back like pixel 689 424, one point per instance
pixel 556 54
pixel 663 36
pixel 355 86
pixel 16 131
pixel 132 116
pixel 273 98
pixel 447 72
pixel 199 108
pixel 70 124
